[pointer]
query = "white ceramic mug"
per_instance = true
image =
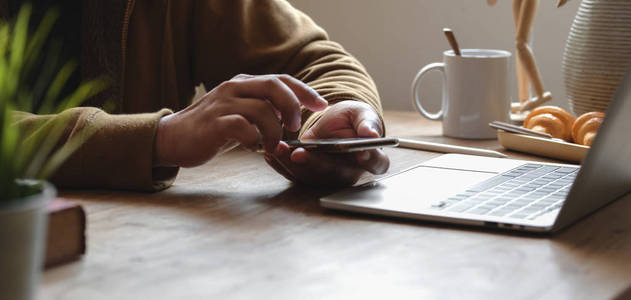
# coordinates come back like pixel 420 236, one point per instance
pixel 475 92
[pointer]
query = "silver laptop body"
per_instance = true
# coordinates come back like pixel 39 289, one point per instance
pixel 506 193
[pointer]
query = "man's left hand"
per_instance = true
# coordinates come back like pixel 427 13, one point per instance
pixel 346 119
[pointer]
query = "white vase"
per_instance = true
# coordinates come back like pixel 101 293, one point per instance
pixel 22 243
pixel 597 53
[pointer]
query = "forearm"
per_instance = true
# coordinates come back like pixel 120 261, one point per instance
pixel 118 153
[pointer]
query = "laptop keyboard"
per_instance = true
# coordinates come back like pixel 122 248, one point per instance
pixel 526 192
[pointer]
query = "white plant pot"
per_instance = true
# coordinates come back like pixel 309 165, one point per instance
pixel 597 53
pixel 22 242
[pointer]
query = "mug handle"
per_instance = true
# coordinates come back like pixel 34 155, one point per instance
pixel 416 101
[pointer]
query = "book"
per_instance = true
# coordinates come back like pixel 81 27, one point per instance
pixel 65 240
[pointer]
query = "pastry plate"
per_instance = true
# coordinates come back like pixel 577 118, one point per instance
pixel 542 146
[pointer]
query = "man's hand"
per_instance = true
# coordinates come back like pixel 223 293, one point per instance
pixel 347 119
pixel 243 109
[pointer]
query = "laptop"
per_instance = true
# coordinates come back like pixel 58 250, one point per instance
pixel 505 193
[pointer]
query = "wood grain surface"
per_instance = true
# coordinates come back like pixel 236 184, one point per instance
pixel 234 229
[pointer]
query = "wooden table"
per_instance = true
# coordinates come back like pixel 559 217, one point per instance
pixel 233 228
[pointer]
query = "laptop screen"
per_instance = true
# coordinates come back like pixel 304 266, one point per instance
pixel 606 171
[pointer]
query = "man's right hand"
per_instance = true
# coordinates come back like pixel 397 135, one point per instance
pixel 236 110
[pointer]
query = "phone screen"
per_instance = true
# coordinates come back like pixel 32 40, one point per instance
pixel 344 145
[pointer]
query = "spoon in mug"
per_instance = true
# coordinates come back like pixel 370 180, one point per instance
pixel 451 38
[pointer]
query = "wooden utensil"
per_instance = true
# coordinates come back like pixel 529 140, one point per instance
pixel 452 40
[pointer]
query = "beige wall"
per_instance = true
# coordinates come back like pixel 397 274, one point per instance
pixel 395 38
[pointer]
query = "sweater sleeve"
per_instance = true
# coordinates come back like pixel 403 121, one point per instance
pixel 118 153
pixel 270 36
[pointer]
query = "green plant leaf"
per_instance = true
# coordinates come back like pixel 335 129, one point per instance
pixel 86 90
pixel 36 153
pixel 58 158
pixel 42 142
pixel 8 148
pixel 56 87
pixel 38 39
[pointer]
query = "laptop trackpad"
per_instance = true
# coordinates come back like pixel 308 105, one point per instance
pixel 413 190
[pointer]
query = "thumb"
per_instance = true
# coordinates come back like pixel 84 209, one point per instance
pixel 367 128
pixel 368 124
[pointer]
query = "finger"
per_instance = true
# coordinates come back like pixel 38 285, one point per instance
pixel 278 166
pixel 325 171
pixel 367 123
pixel 318 169
pixel 307 95
pixel 259 113
pixel 374 161
pixel 278 93
pixel 236 127
pixel 299 156
pixel 275 91
pixel 367 129
pixel 281 161
pixel 340 163
pixel 282 151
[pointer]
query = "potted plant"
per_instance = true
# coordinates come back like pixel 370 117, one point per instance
pixel 26 161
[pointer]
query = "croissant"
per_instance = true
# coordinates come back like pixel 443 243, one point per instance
pixel 552 120
pixel 585 127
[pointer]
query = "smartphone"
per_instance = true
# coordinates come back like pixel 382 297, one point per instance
pixel 343 145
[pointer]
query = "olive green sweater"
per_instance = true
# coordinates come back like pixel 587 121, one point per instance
pixel 156 52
